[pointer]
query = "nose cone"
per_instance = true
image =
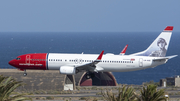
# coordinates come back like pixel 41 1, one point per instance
pixel 12 63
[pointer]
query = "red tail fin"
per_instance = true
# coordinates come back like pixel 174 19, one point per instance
pixel 168 28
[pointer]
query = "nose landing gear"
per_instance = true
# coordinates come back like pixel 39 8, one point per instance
pixel 25 74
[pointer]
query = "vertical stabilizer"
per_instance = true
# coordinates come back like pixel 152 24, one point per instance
pixel 159 46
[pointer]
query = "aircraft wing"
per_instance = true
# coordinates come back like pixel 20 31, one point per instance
pixel 90 66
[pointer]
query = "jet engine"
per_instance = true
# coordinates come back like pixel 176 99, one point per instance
pixel 67 70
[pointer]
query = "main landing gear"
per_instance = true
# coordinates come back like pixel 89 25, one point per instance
pixel 89 75
pixel 25 74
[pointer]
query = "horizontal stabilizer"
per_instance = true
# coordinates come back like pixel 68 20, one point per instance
pixel 170 57
pixel 164 58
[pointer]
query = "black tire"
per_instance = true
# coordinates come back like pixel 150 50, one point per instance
pixel 88 76
pixel 92 75
pixel 25 74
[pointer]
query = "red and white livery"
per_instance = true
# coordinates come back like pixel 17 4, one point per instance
pixel 71 64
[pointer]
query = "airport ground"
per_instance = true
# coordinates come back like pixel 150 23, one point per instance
pixel 48 85
pixel 93 93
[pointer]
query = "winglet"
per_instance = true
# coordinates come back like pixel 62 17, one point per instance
pixel 168 28
pixel 100 56
pixel 124 50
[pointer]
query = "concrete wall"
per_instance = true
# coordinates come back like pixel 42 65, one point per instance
pixel 37 79
pixel 177 82
pixel 53 80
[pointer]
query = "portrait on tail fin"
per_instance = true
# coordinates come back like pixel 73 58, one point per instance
pixel 159 46
pixel 161 43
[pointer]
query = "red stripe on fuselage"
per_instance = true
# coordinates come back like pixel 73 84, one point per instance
pixel 32 61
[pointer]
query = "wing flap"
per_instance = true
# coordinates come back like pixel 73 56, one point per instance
pixel 90 66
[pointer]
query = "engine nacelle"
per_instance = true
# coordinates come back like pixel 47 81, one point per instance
pixel 67 70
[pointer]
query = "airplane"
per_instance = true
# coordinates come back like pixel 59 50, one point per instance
pixel 71 64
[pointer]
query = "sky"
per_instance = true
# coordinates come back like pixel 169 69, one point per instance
pixel 89 15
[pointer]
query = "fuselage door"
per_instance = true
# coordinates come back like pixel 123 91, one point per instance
pixel 140 62
pixel 27 59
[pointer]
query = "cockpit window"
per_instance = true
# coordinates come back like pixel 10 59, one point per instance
pixel 18 58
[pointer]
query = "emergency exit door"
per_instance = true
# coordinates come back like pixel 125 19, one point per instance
pixel 140 62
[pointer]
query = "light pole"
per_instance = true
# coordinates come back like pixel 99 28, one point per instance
pixel 167 96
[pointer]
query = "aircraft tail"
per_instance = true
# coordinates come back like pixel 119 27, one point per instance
pixel 159 46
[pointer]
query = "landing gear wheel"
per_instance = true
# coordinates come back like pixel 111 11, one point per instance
pixel 92 75
pixel 89 75
pixel 25 74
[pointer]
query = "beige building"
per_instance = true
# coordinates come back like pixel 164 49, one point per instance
pixel 170 81
pixel 173 81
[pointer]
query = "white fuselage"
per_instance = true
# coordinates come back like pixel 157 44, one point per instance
pixel 109 62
